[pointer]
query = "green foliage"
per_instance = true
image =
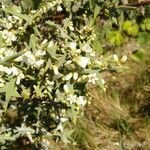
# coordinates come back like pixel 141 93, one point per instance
pixel 50 51
pixel 143 38
pixel 145 26
pixel 10 90
pixel 138 55
pixel 115 38
pixel 47 62
pixel 131 28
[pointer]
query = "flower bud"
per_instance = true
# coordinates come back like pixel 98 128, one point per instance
pixel 123 59
pixel 115 57
pixel 66 89
pixel 75 76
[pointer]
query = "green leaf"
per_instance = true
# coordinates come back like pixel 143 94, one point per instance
pixel 7 61
pixel 73 114
pixel 1 41
pixel 10 90
pixel 33 42
pixel 51 23
pixel 91 4
pixel 14 56
pixel 48 64
pixel 66 135
pixel 14 10
pixel 143 38
pixel 27 5
pixel 7 2
pixel 114 38
pixel 62 60
pixel 96 11
pixel 52 51
pixel 138 55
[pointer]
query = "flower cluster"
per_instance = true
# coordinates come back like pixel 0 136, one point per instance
pixel 51 70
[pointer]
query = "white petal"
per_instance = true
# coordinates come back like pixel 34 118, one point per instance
pixel 73 45
pixel 124 58
pixel 115 57
pixel 66 89
pixel 68 76
pixel 82 61
pixel 55 68
pixel 75 76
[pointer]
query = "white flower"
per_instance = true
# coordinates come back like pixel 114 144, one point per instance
pixel 2 50
pixel 59 8
pixel 81 101
pixel 3 6
pixel 115 57
pixel 72 45
pixel 8 70
pixel 49 85
pixel 68 62
pixel 63 119
pixel 33 11
pixel 2 57
pixel 68 76
pixel 29 58
pixel 1 85
pixel 124 58
pixel 71 28
pixel 66 88
pixel 92 78
pixel 75 76
pixel 4 34
pixel 49 82
pixel 82 61
pixel 8 53
pixel 92 54
pixel 40 53
pixel 103 81
pixel 9 25
pixel 9 36
pixel 86 48
pixel 50 44
pixel 58 1
pixel 9 18
pixel 2 68
pixel 98 62
pixel 16 17
pixel 19 77
pixel 59 127
pixel 14 71
pixel 78 51
pixel 20 28
pixel 44 41
pixel 39 63
pixel 84 77
pixel 55 68
pixel 1 80
pixel 93 37
pixel 18 59
pixel 72 98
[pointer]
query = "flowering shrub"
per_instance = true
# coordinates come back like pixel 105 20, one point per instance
pixel 46 61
